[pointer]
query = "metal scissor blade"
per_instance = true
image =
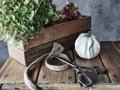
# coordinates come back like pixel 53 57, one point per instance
pixel 70 63
pixel 65 61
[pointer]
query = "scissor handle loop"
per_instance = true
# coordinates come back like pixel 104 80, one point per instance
pixel 88 81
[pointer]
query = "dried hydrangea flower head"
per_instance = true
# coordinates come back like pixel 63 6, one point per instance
pixel 69 12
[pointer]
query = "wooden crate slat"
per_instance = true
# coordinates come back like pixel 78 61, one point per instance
pixel 110 55
pixel 97 78
pixel 49 76
pixel 118 44
pixel 44 87
pixel 13 72
pixel 63 87
pixel 106 86
pixel 8 61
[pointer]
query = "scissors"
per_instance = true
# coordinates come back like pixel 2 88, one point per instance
pixel 81 72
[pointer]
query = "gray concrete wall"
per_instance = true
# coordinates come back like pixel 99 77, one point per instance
pixel 105 16
pixel 3 52
pixel 105 20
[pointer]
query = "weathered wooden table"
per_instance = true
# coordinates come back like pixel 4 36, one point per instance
pixel 11 74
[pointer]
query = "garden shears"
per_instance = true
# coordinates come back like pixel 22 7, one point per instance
pixel 81 72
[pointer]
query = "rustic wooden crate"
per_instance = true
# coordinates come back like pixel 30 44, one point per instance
pixel 63 33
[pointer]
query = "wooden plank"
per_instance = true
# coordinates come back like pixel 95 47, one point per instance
pixel 106 86
pixel 8 61
pixel 118 44
pixel 12 72
pixel 110 55
pixel 62 86
pixel 49 76
pixel 97 78
pixel 45 87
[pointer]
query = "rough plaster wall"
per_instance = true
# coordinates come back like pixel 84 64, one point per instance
pixel 3 52
pixel 105 16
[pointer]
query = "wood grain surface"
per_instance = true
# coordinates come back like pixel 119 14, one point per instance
pixel 97 78
pixel 118 44
pixel 11 74
pixel 55 86
pixel 110 55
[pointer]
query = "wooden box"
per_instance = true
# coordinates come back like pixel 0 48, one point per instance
pixel 63 33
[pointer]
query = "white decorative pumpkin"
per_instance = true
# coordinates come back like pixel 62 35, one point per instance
pixel 87 46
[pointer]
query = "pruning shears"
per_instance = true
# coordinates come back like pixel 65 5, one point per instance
pixel 81 72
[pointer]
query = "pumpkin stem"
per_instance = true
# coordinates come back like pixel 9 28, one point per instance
pixel 89 33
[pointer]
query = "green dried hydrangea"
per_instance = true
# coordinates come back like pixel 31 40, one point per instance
pixel 21 20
